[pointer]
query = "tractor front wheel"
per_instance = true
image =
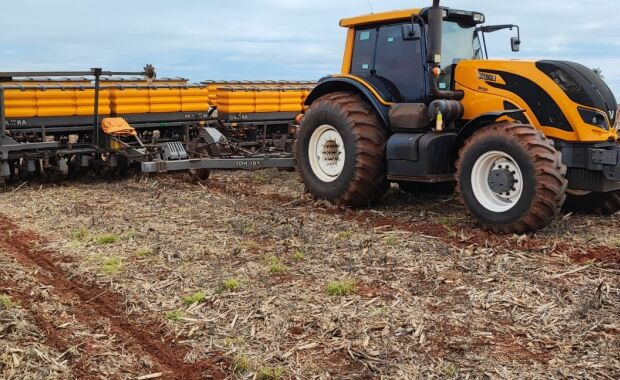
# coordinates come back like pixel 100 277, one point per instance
pixel 341 150
pixel 511 178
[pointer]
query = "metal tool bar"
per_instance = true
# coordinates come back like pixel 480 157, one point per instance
pixel 92 87
pixel 7 149
pixel 218 163
pixel 66 73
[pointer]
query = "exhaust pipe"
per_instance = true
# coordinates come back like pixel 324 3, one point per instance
pixel 435 29
pixel 435 21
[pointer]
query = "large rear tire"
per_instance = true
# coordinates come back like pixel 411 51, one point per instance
pixel 341 150
pixel 511 178
pixel 594 203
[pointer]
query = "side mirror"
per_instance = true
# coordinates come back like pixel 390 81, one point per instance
pixel 515 44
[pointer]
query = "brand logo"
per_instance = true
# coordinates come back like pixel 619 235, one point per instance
pixel 487 77
pixel 18 123
pixel 612 113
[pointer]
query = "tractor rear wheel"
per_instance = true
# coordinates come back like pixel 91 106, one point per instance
pixel 511 178
pixel 341 150
pixel 593 203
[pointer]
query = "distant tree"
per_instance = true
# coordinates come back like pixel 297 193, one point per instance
pixel 599 72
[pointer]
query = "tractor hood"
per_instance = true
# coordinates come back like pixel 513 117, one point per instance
pixel 581 85
pixel 566 96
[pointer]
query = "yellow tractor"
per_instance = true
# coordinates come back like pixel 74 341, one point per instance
pixel 419 103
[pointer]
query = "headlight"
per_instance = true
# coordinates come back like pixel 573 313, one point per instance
pixel 478 18
pixel 595 118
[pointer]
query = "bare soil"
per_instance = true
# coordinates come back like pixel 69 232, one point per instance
pixel 233 277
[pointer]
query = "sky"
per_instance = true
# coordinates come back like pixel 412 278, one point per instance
pixel 273 39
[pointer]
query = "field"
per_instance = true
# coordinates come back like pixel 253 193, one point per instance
pixel 245 276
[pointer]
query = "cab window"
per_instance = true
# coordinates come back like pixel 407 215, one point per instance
pixel 364 50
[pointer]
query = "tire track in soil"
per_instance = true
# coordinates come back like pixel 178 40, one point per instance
pixel 143 338
pixel 579 254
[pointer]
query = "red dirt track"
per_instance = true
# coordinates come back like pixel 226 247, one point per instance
pixel 90 304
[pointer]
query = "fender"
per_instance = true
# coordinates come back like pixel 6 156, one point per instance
pixel 335 84
pixel 482 121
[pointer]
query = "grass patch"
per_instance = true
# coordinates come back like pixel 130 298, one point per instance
pixel 145 252
pixel 6 302
pixel 197 297
pixel 269 373
pixel 175 315
pixel 275 265
pixel 230 284
pixel 106 239
pixel 391 240
pixel 79 234
pixel 451 370
pixel 299 256
pixel 344 235
pixel 234 341
pixel 249 228
pixel 261 179
pixel 112 266
pixel 277 268
pixel 341 288
pixel 241 364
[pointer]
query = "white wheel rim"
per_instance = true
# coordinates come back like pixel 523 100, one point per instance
pixel 326 153
pixel 486 171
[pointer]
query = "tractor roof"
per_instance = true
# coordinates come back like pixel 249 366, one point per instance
pixel 377 18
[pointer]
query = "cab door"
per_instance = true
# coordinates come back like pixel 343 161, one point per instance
pixel 399 58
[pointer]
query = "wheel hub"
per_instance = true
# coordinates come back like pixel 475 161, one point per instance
pixel 501 181
pixel 326 153
pixel 331 152
pixel 497 181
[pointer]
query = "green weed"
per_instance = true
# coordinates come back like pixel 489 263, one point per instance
pixel 106 239
pixel 299 256
pixel 175 315
pixel 344 235
pixel 451 370
pixel 112 266
pixel 241 364
pixel 249 229
pixel 391 240
pixel 6 302
pixel 197 297
pixel 270 373
pixel 230 284
pixel 258 178
pixel 79 234
pixel 277 268
pixel 145 252
pixel 341 288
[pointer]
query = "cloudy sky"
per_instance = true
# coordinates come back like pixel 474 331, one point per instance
pixel 272 39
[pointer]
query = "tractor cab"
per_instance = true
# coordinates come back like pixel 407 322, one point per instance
pixel 391 49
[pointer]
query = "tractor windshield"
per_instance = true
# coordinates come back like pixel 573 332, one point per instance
pixel 458 43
